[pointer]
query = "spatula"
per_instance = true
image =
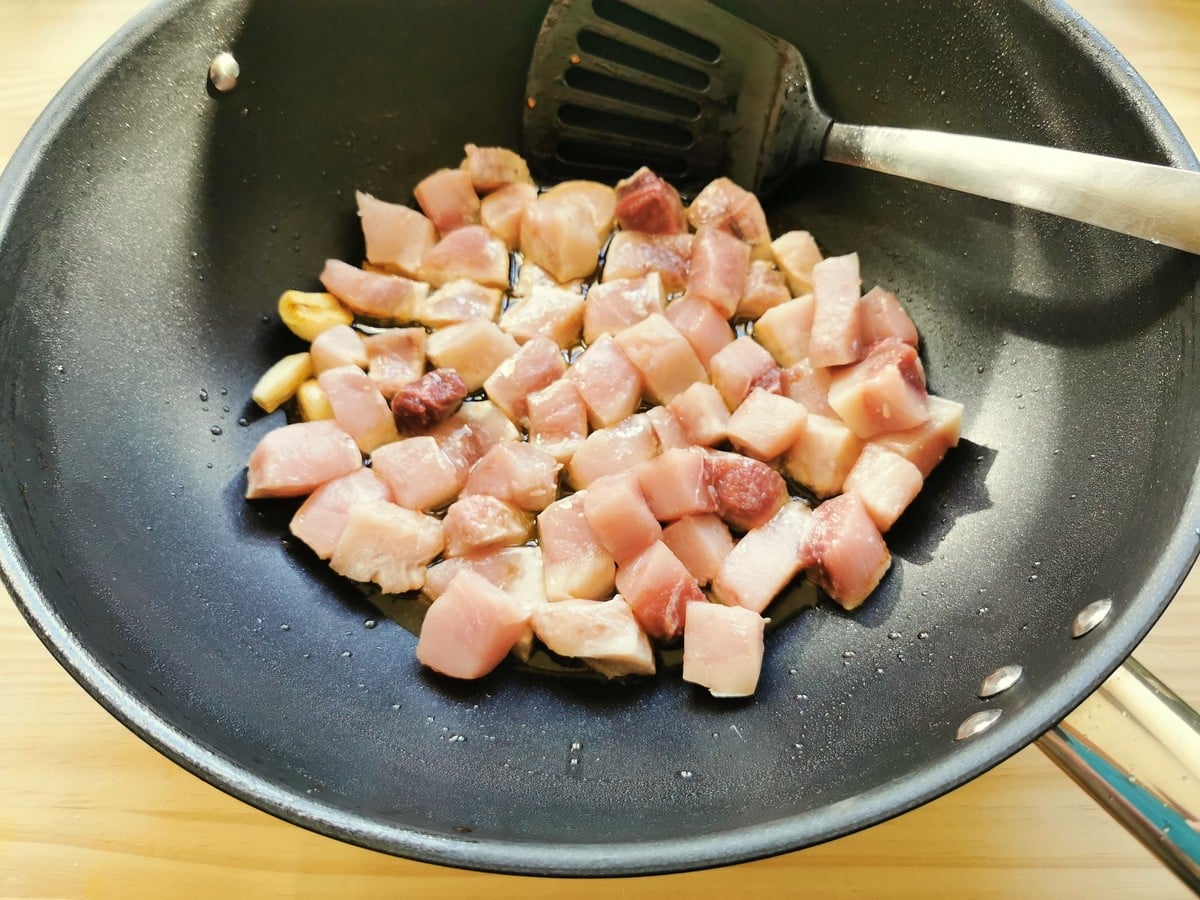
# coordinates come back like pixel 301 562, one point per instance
pixel 695 92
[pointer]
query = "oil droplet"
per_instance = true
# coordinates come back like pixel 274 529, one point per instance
pixel 285 627
pixel 457 739
pixel 216 429
pixel 685 774
pixel 243 421
pixel 922 635
pixel 370 623
pixel 894 636
pixel 346 654
pixel 848 654
pixel 203 395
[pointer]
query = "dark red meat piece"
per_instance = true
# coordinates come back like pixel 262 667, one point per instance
pixel 430 399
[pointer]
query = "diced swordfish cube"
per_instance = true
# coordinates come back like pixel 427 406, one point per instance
pixel 359 407
pixel 615 305
pixel 677 484
pixel 609 384
pixel 729 207
pixel 517 473
pixel 884 392
pixel 741 367
pixel 396 236
pixel 340 345
pixel 470 628
pixel 470 252
pixel 614 449
pixel 649 204
pixel 491 168
pixel 666 361
pixel 882 316
pixel 419 474
pixel 667 430
pixel 632 254
pixel 701 414
pixel 563 230
pixel 926 444
pixel 550 312
pixel 723 649
pixel 295 460
pixel 809 387
pixel 605 635
pixel 618 515
pixel 480 522
pixel 701 325
pixel 432 398
pixel 766 425
pixel 537 364
pixel 471 432
pixel 448 198
pixel 575 563
pixel 395 357
pixel 389 298
pixel 763 562
pixel 530 276
pixel 701 542
pixel 459 301
pixel 786 330
pixel 836 337
pixel 321 518
pixel 473 349
pixel 720 263
pixel 823 455
pixel 658 588
pixel 388 545
pixel 796 253
pixel 558 421
pixel 749 492
pixel 886 483
pixel 502 211
pixel 844 552
pixel 766 288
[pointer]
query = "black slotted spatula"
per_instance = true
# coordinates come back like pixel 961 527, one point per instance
pixel 695 92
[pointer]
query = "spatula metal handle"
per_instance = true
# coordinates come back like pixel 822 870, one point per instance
pixel 1157 203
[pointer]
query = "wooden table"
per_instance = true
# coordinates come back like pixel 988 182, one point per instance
pixel 87 809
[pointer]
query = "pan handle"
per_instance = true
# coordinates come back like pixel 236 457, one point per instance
pixel 1134 745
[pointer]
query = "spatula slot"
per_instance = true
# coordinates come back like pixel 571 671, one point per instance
pixel 608 158
pixel 623 54
pixel 592 82
pixel 653 27
pixel 630 127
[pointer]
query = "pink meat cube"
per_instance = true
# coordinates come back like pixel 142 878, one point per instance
pixel 481 522
pixel 619 517
pixel 749 492
pixel 530 276
pixel 809 387
pixel 491 168
pixel 515 570
pixel 886 483
pixel 667 430
pixel 470 628
pixel 823 455
pixel 321 518
pixel 677 484
pixel 884 392
pixel 359 407
pixel 632 254
pixel 796 253
pixel 448 198
pixel 549 312
pixel 741 367
pixel 844 552
pixel 388 545
pixel 340 345
pixel 763 562
pixel 666 361
pixel 502 212
pixel 648 204
pixel 882 316
pixel 459 301
pixel 388 298
pixel 533 367
pixel 701 542
pixel 395 357
pixel 723 649
pixel 729 207
pixel 720 263
pixel 518 473
pixel 432 398
pixel 396 236
pixel 610 386
pixel 926 444
pixel 836 337
pixel 658 588
pixel 766 288
pixel 610 450
pixel 297 459
pixel 470 252
pixel 766 425
pixel 563 229
pixel 786 330
pixel 703 327
pixel 575 563
pixel 473 349
pixel 702 415
pixel 615 305
pixel 419 474
pixel 606 635
pixel 558 421
pixel 471 432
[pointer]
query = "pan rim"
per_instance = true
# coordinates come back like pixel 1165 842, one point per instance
pixel 538 858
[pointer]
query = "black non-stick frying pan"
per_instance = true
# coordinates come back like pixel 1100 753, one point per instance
pixel 147 225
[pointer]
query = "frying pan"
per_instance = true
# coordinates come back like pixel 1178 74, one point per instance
pixel 146 227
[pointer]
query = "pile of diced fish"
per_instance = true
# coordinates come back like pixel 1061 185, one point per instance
pixel 635 494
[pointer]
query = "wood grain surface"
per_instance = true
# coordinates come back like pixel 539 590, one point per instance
pixel 87 809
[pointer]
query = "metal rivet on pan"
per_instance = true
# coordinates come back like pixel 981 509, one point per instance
pixel 224 71
pixel 977 723
pixel 1090 616
pixel 1000 680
